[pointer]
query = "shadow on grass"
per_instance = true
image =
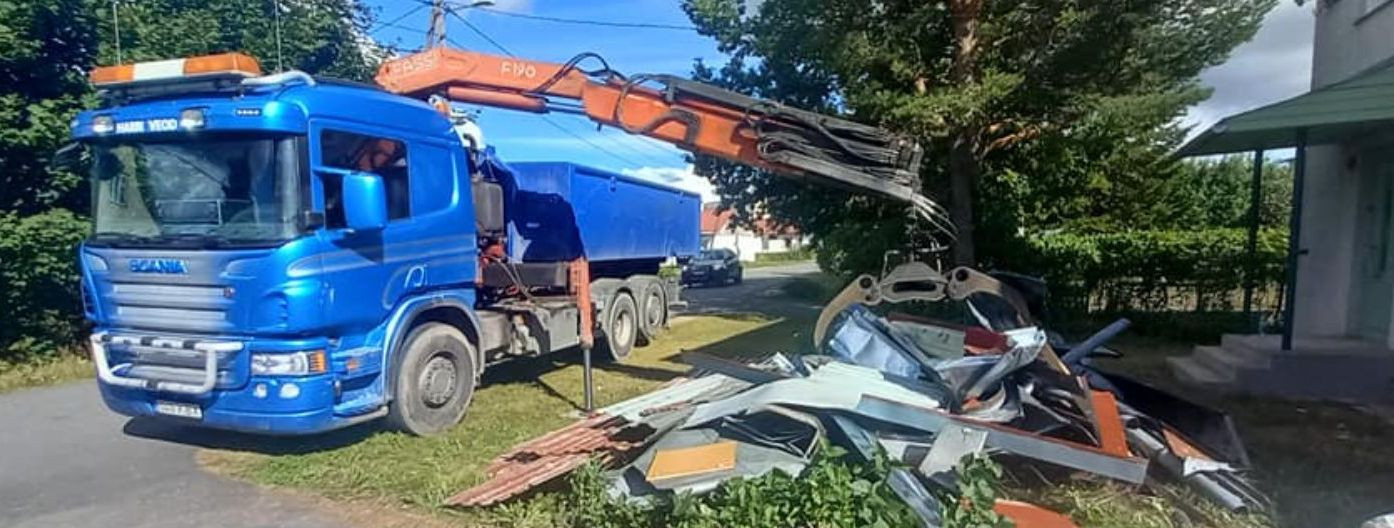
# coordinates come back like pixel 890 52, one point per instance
pixel 788 335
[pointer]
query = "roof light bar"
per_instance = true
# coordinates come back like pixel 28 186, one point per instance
pixel 224 65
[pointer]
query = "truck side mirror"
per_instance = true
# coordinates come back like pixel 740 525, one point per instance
pixel 365 201
pixel 69 157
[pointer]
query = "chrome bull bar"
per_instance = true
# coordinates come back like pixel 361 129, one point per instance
pixel 210 349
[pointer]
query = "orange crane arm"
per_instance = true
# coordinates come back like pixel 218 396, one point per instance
pixel 694 116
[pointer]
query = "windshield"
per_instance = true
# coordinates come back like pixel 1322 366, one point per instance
pixel 208 191
pixel 711 255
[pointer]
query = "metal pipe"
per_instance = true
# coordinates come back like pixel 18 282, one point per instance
pixel 1299 176
pixel 1078 353
pixel 1251 267
pixel 586 378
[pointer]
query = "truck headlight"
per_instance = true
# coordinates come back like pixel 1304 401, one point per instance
pixel 289 363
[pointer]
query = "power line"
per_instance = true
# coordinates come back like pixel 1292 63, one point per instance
pixel 545 118
pixel 393 22
pixel 639 25
pixel 480 32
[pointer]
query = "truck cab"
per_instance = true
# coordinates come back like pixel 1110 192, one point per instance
pixel 288 254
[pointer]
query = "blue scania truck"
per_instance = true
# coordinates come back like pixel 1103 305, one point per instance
pixel 287 254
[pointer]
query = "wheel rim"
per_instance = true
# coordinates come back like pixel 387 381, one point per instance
pixel 437 380
pixel 624 327
pixel 653 309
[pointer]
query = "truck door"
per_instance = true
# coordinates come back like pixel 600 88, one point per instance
pixel 367 273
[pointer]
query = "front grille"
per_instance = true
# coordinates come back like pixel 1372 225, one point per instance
pixel 196 308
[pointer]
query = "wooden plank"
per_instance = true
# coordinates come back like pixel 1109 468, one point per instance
pixel 688 461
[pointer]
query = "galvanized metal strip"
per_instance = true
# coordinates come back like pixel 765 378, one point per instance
pixel 1082 457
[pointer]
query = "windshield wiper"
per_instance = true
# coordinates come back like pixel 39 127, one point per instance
pixel 123 239
pixel 203 240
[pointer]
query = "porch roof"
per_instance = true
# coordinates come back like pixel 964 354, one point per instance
pixel 1330 114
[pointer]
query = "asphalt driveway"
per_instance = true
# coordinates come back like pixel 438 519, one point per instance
pixel 66 461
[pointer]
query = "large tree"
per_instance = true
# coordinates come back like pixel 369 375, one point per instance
pixel 45 50
pixel 318 36
pixel 1034 113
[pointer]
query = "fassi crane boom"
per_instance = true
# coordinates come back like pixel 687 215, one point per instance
pixel 693 116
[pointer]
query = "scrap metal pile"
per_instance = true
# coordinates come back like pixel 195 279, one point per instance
pixel 924 392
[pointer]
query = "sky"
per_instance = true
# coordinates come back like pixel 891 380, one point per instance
pixel 1275 65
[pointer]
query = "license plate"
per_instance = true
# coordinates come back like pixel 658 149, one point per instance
pixel 182 410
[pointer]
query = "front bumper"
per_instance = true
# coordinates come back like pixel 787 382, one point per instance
pixel 249 409
pixel 228 396
pixel 705 276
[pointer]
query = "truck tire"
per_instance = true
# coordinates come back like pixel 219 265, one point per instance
pixel 620 328
pixel 434 380
pixel 653 311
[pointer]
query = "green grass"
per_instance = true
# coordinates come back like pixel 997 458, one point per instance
pixel 518 401
pixel 812 289
pixel 46 371
pixel 1323 464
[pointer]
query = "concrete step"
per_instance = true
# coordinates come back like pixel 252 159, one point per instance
pixel 1200 375
pixel 1255 347
pixel 1223 358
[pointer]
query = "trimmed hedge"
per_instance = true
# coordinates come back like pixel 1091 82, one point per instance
pixel 1143 270
pixel 794 255
pixel 40 301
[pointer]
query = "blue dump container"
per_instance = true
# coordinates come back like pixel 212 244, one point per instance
pixel 559 211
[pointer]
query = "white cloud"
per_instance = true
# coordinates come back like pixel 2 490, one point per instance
pixel 682 178
pixel 1275 65
pixel 513 6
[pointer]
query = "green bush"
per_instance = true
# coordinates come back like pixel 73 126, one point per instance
pixel 796 255
pixel 40 303
pixel 832 491
pixel 1139 270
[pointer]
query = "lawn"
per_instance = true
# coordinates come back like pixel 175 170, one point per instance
pixel 64 367
pixel 1324 464
pixel 518 400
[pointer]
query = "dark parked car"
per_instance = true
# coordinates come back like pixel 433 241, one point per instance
pixel 713 266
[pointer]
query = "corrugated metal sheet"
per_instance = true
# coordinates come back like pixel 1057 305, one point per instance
pixel 547 457
pixel 612 431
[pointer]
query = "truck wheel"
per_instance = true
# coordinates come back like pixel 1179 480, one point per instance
pixel 435 379
pixel 621 328
pixel 653 312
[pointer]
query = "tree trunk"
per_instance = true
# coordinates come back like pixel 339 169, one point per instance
pixel 964 165
pixel 963 178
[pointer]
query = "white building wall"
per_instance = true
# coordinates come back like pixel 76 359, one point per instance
pixel 1351 36
pixel 1328 236
pixel 747 244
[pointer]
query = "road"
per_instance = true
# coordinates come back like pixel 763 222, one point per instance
pixel 65 460
pixel 758 292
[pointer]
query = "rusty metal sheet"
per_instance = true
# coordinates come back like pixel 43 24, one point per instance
pixel 1108 423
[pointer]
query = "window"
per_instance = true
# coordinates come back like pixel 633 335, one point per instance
pixel 381 156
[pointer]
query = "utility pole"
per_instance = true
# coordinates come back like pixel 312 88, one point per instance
pixel 435 34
